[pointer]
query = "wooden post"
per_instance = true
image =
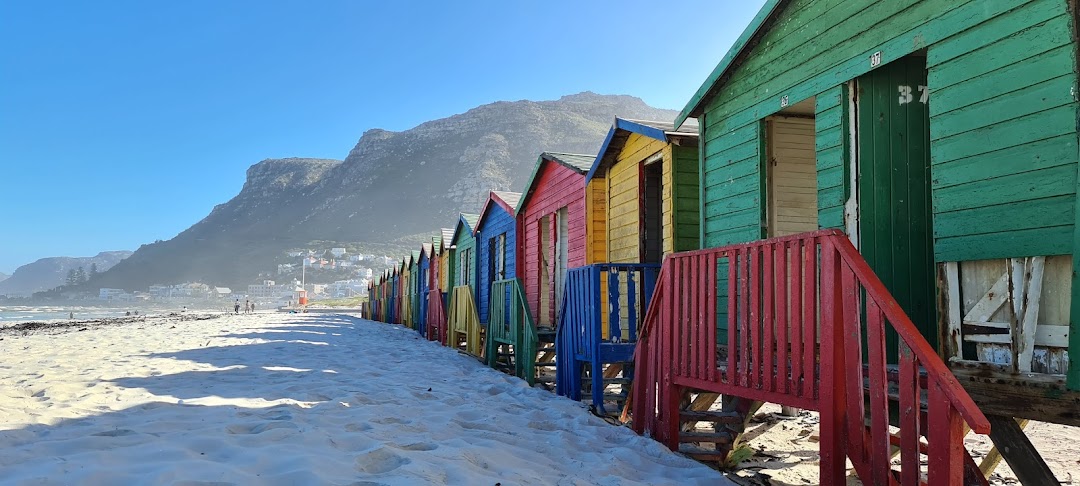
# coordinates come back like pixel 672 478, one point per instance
pixel 1016 449
pixel 833 398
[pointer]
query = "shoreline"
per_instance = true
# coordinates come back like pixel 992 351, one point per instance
pixel 55 327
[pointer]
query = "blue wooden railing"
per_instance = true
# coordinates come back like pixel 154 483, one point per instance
pixel 585 336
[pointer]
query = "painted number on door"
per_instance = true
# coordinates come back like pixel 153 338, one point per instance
pixel 907 96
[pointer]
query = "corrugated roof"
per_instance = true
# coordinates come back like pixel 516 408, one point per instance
pixel 688 128
pixel 746 40
pixel 622 128
pixel 510 198
pixel 468 220
pixel 507 200
pixel 426 248
pixel 447 236
pixel 579 163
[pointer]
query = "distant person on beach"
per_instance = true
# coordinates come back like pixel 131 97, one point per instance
pixel 136 312
pixel 247 306
pixel 253 307
pixel 71 315
pixel 236 308
pixel 128 313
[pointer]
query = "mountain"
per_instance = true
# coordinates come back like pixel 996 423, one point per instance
pixel 48 273
pixel 3 276
pixel 390 185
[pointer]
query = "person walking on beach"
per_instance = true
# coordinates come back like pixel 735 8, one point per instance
pixel 247 306
pixel 236 308
pixel 252 307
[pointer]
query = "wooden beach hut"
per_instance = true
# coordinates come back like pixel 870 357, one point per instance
pixel 496 244
pixel 556 232
pixel 405 291
pixel 439 288
pixel 394 308
pixel 646 176
pixel 935 144
pixel 423 283
pixel 463 320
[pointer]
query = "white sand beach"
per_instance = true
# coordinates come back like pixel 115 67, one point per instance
pixel 275 398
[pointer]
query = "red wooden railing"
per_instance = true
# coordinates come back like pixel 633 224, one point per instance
pixel 436 316
pixel 806 320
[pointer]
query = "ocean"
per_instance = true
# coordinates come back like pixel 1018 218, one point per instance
pixel 14 314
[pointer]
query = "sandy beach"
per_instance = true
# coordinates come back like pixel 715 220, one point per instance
pixel 275 398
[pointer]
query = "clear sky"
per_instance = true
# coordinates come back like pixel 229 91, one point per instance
pixel 125 122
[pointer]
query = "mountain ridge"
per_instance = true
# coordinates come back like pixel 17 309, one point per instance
pixel 48 273
pixel 391 184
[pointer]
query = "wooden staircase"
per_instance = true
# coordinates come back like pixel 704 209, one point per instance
pixel 616 379
pixel 799 321
pixel 595 349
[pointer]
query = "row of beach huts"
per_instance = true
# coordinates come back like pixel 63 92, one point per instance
pixel 867 210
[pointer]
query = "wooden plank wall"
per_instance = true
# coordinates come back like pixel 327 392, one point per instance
pixel 624 218
pixel 833 146
pixel 686 220
pixel 556 186
pixel 497 221
pixel 596 221
pixel 466 248
pixel 1003 117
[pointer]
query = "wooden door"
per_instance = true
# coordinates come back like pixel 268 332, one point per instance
pixel 792 176
pixel 562 238
pixel 652 226
pixel 893 186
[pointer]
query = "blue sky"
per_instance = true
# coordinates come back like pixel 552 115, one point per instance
pixel 124 122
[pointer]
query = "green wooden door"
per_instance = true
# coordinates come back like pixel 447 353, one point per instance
pixel 895 231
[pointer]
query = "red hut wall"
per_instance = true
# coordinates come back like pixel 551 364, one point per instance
pixel 556 186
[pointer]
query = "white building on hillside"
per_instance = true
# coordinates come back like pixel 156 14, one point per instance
pixel 110 294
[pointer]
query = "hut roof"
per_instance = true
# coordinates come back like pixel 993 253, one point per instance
pixel 447 238
pixel 579 163
pixel 466 220
pixel 506 200
pixel 622 128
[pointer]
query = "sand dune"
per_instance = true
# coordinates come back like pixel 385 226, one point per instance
pixel 295 399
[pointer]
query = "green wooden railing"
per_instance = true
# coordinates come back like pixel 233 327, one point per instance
pixel 510 323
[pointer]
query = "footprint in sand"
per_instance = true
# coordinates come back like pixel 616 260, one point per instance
pixel 379 461
pixel 470 415
pixel 391 421
pixel 259 428
pixel 423 395
pixel 115 433
pixel 357 427
pixel 363 400
pixel 544 425
pixel 488 427
pixel 418 446
pixel 203 483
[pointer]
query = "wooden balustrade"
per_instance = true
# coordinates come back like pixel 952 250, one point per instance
pixel 801 321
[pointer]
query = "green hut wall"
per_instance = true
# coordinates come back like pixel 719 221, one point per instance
pixel 1001 107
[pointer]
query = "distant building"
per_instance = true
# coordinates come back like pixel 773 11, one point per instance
pixel 337 252
pixel 284 268
pixel 110 294
pixel 222 292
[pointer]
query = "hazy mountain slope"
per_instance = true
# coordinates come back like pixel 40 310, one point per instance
pixel 48 273
pixel 390 185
